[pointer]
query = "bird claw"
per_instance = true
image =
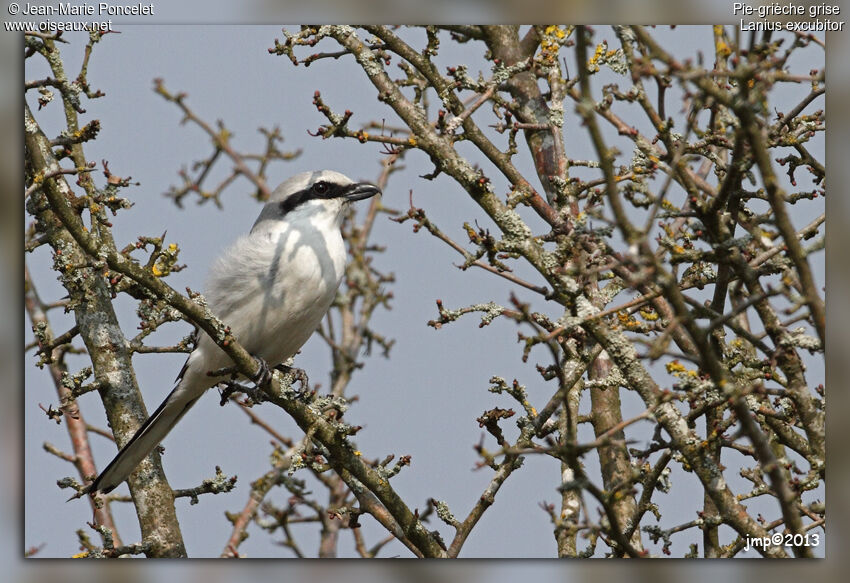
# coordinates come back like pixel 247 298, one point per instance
pixel 261 379
pixel 298 374
pixel 255 394
pixel 227 389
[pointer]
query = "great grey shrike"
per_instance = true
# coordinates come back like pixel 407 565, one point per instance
pixel 272 287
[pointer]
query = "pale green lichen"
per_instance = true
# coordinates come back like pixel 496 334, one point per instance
pixel 616 61
pixel 626 34
pixel 502 73
pixel 550 262
pixel 556 114
pixel 800 339
pixel 46 95
pixel 491 310
pixel 30 125
pixel 640 159
pixel 664 484
pixel 612 380
pixel 584 309
pixel 610 291
pixel 512 226
pixel 569 322
pixel 443 512
pixel 297 461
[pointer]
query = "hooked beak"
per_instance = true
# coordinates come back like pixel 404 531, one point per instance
pixel 360 191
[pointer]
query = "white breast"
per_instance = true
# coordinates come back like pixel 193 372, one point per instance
pixel 274 286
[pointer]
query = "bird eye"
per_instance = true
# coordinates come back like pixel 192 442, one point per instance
pixel 320 187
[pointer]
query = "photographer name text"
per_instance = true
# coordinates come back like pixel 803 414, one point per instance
pixel 99 9
pixel 48 18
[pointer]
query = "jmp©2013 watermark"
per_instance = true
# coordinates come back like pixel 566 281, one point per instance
pixel 786 540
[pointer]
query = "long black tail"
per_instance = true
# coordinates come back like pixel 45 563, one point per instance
pixel 149 435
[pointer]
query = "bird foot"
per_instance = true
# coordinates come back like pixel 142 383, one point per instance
pixel 230 388
pixel 298 374
pixel 261 380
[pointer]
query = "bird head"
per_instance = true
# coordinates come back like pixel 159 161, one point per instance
pixel 323 193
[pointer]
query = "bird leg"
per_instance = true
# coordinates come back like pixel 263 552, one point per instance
pixel 263 375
